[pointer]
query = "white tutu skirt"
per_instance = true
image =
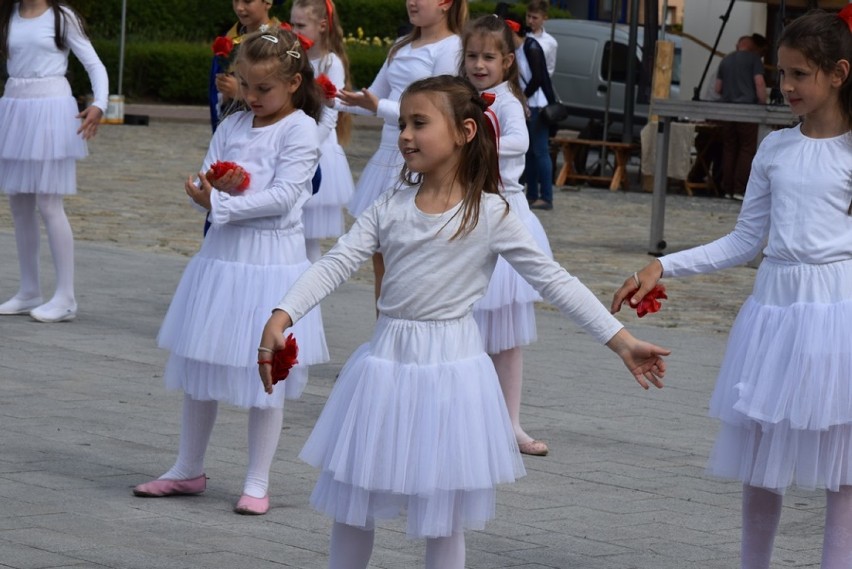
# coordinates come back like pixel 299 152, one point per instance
pixel 784 392
pixel 506 314
pixel 39 144
pixel 416 422
pixel 223 300
pixel 323 213
pixel 380 174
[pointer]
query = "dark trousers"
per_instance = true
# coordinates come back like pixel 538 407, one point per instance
pixel 739 144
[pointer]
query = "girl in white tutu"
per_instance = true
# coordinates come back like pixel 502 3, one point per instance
pixel 254 247
pixel 416 420
pixel 506 314
pixel 42 136
pixel 784 392
pixel 433 47
pixel 318 21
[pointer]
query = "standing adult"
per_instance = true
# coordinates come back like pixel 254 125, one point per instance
pixel 740 80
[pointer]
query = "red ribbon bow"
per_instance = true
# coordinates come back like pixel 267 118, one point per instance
pixel 513 25
pixel 329 90
pixel 221 167
pixel 284 359
pixel 489 98
pixel 303 41
pixel 650 303
pixel 846 15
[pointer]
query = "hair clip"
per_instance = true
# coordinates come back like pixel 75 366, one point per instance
pixel 269 38
pixel 293 52
pixel 846 15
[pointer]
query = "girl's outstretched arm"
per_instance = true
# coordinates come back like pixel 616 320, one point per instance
pixel 271 339
pixel 637 286
pixel 643 359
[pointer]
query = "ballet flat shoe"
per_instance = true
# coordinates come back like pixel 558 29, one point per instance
pixel 162 487
pixel 534 448
pixel 250 506
pixel 16 305
pixel 46 313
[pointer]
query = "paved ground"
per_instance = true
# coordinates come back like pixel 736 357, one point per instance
pixel 84 415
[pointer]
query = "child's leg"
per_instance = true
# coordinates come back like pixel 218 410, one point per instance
pixel 196 426
pixel 23 207
pixel 312 248
pixel 351 547
pixel 61 241
pixel 761 514
pixel 264 430
pixel 445 552
pixel 509 365
pixel 837 543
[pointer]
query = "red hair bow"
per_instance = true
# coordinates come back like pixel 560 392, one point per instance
pixel 513 25
pixel 846 15
pixel 489 98
pixel 303 41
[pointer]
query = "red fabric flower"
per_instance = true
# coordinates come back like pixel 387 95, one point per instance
pixel 846 15
pixel 284 359
pixel 221 167
pixel 650 303
pixel 489 98
pixel 222 46
pixel 328 88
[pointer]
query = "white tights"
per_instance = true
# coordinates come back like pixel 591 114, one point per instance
pixel 509 365
pixel 264 430
pixel 351 548
pixel 312 249
pixel 762 512
pixel 59 236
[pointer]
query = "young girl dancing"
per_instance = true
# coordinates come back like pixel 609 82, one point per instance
pixel 416 420
pixel 255 245
pixel 433 47
pixel 41 138
pixel 318 21
pixel 506 314
pixel 784 392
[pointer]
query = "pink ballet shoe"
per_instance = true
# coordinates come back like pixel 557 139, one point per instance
pixel 162 487
pixel 249 506
pixel 534 448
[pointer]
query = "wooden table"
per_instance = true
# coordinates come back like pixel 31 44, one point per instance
pixel 569 147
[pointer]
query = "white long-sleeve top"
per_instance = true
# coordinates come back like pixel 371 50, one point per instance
pixel 430 277
pixel 331 66
pixel 33 53
pixel 280 158
pixel 797 198
pixel 514 138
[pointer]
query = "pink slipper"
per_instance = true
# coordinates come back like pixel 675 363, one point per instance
pixel 534 448
pixel 162 487
pixel 250 506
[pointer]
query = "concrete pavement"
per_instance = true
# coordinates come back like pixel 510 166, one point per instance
pixel 84 415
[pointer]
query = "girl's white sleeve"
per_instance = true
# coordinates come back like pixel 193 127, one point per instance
pixel 328 120
pixel 514 136
pixel 214 153
pixel 85 52
pixel 511 239
pixel 744 242
pixel 298 154
pixel 335 267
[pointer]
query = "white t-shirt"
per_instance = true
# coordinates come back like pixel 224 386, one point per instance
pixel 548 44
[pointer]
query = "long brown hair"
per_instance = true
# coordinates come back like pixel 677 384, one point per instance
pixel 494 27
pixel 457 15
pixel 61 13
pixel 333 42
pixel 478 171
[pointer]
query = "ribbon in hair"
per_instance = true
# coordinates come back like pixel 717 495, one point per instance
pixel 846 15
pixel 303 41
pixel 329 8
pixel 513 25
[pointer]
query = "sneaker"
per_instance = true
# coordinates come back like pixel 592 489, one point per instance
pixel 541 204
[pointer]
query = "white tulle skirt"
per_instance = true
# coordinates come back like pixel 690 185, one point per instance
pixel 323 213
pixel 380 174
pixel 416 422
pixel 39 144
pixel 784 392
pixel 506 314
pixel 223 300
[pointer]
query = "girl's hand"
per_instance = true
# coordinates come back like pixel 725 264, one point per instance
pixel 200 195
pixel 272 338
pixel 227 85
pixel 363 98
pixel 91 119
pixel 644 360
pixel 230 182
pixel 647 277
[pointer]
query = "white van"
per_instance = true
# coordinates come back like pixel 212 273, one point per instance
pixel 582 61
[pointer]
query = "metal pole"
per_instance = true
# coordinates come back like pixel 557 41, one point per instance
pixel 630 85
pixel 696 94
pixel 121 46
pixel 658 201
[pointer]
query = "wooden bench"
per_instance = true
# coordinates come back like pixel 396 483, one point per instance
pixel 569 146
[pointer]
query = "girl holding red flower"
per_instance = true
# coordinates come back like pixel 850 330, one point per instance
pixel 784 392
pixel 254 247
pixel 317 20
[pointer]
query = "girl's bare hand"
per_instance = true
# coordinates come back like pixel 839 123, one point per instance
pixel 227 85
pixel 199 194
pixel 91 119
pixel 272 338
pixel 363 98
pixel 230 181
pixel 633 292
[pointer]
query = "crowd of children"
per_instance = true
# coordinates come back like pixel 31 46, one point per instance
pixel 424 419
